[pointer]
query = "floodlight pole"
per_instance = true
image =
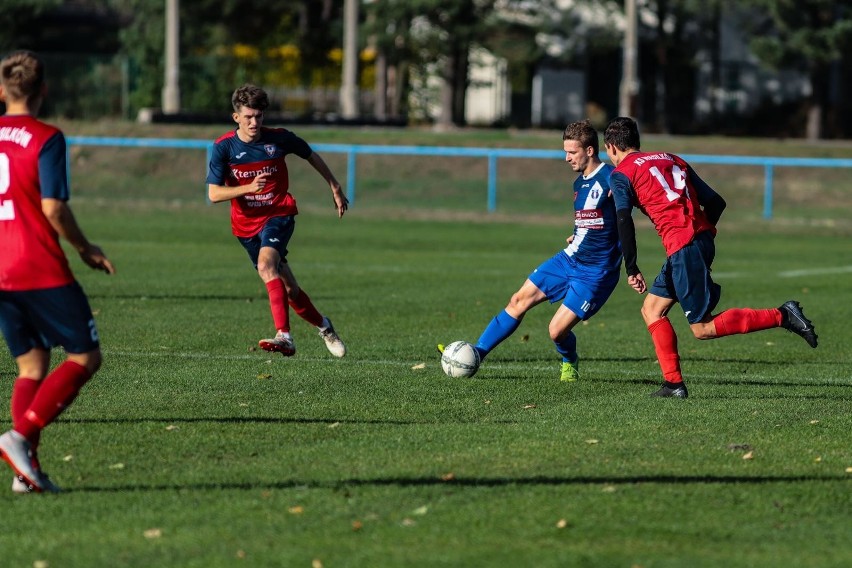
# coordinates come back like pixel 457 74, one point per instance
pixel 349 82
pixel 629 76
pixel 171 89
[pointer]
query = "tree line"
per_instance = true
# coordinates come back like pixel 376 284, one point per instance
pixel 291 42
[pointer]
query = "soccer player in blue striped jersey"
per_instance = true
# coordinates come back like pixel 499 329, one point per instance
pixel 583 275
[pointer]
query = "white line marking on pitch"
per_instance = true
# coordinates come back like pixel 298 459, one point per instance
pixel 792 273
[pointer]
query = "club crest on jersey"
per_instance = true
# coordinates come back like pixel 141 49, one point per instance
pixel 270 149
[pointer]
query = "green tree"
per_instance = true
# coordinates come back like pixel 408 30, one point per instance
pixel 18 22
pixel 436 37
pixel 208 31
pixel 810 36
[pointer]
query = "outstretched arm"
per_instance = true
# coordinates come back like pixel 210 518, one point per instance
pixel 341 203
pixel 61 218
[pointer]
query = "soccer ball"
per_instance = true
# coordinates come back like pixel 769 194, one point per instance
pixel 460 359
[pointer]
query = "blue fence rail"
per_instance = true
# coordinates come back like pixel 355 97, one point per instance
pixel 768 163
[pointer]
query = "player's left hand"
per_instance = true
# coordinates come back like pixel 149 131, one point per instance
pixel 637 282
pixel 341 202
pixel 95 257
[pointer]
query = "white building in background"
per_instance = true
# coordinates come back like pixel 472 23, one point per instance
pixel 488 98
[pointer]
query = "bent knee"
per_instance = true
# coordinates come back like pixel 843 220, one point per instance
pixel 703 332
pixel 91 361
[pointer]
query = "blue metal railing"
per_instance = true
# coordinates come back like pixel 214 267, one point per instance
pixel 769 163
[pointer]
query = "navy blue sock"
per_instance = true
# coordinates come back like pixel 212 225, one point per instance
pixel 502 326
pixel 567 348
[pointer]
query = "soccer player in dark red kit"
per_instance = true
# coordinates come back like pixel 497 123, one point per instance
pixel 41 304
pixel 684 211
pixel 248 168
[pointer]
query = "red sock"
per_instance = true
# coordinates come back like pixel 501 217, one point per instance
pixel 665 344
pixel 23 393
pixel 57 391
pixel 305 309
pixel 746 320
pixel 280 313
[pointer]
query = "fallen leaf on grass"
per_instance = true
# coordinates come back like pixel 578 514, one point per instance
pixel 264 376
pixel 528 406
pixel 171 427
pixel 316 563
pixel 487 402
pixel 117 466
pixel 449 476
pixel 418 366
pixel 153 533
pixel 818 459
pixel 357 525
pixel 296 510
pixel 561 524
pixel 525 338
pixel 748 456
pixel 68 458
pixel 814 422
pixel 241 554
pixel 334 425
pixel 591 441
pixel 420 511
pixel 40 564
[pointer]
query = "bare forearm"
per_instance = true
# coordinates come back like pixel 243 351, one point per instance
pixel 322 168
pixel 218 193
pixel 61 218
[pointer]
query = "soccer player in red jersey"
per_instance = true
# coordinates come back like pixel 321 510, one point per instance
pixel 41 304
pixel 684 211
pixel 248 168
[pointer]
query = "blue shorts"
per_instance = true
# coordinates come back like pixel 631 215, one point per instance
pixel 47 318
pixel 581 289
pixel 275 233
pixel 685 278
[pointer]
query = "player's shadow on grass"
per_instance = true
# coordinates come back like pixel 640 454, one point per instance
pixel 278 420
pixel 704 381
pixel 170 297
pixel 474 482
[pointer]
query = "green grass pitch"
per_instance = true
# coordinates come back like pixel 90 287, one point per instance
pixel 192 449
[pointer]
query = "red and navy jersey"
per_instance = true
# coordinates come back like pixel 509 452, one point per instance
pixel 235 162
pixel 32 167
pixel 660 186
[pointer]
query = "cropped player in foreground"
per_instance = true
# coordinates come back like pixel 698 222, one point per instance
pixel 41 304
pixel 248 168
pixel 685 211
pixel 584 274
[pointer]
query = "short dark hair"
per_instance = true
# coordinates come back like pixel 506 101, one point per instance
pixel 623 133
pixel 250 96
pixel 22 75
pixel 583 132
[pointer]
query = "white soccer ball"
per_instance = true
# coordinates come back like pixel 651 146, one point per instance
pixel 460 359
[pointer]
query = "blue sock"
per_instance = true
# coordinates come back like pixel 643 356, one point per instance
pixel 502 326
pixel 568 348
